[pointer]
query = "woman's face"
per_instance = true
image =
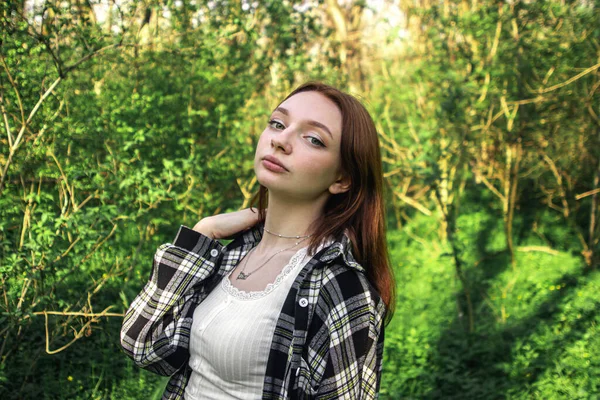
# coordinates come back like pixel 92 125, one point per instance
pixel 303 134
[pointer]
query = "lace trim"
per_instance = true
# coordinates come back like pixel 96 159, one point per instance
pixel 243 295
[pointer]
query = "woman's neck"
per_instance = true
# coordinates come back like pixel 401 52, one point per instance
pixel 287 219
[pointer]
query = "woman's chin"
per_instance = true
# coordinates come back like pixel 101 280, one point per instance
pixel 268 178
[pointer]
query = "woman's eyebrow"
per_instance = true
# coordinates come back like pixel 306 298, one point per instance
pixel 309 122
pixel 282 110
pixel 320 125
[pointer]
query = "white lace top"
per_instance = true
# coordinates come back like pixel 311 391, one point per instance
pixel 231 336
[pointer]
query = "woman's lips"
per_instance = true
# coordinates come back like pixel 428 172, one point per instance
pixel 272 166
pixel 272 160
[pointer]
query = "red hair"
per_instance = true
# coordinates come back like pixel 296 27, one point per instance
pixel 360 211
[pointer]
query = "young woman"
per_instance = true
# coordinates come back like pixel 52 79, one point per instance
pixel 295 305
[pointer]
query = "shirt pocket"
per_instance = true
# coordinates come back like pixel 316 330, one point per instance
pixel 306 381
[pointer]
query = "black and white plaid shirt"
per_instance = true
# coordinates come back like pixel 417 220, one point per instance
pixel 328 340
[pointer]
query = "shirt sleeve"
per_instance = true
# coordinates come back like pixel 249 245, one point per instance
pixel 353 360
pixel 156 328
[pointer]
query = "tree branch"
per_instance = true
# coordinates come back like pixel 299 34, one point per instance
pixel 573 79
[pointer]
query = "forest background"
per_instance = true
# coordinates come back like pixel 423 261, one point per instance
pixel 121 120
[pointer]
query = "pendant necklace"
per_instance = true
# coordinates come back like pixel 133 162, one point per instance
pixel 243 275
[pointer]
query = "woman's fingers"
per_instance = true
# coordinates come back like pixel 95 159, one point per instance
pixel 228 224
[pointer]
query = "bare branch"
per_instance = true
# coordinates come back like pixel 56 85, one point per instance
pixel 543 249
pixel 5 118
pixel 559 181
pixel 80 314
pixel 487 183
pixel 14 86
pixel 586 194
pixel 78 334
pixel 17 142
pixel 87 57
pixel 573 79
pixel 413 203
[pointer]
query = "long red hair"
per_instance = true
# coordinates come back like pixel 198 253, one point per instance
pixel 360 211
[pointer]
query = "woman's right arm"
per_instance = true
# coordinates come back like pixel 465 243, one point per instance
pixel 156 328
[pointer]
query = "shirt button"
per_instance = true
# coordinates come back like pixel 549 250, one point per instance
pixel 303 302
pixel 214 252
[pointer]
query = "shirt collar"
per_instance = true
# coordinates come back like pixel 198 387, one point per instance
pixel 332 249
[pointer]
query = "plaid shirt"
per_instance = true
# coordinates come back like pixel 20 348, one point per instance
pixel 328 340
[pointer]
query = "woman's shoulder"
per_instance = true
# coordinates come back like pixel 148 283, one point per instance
pixel 342 271
pixel 348 280
pixel 345 287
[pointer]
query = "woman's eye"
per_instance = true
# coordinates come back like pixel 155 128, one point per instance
pixel 316 141
pixel 276 124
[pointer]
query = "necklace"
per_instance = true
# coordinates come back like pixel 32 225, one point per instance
pixel 244 275
pixel 285 237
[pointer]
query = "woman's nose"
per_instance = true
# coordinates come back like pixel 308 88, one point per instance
pixel 282 141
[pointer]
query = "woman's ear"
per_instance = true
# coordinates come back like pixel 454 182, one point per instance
pixel 341 185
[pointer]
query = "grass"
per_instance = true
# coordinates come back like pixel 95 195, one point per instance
pixel 536 329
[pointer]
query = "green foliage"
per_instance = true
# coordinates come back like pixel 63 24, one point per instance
pixel 133 133
pixel 536 332
pixel 116 131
